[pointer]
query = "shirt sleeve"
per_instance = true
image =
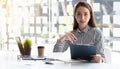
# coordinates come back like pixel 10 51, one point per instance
pixel 100 45
pixel 60 46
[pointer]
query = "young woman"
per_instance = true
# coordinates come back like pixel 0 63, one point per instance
pixel 84 32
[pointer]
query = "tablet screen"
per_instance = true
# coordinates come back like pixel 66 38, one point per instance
pixel 82 51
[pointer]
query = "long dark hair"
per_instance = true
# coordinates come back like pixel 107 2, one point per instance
pixel 91 22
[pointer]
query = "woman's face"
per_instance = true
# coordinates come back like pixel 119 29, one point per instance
pixel 82 17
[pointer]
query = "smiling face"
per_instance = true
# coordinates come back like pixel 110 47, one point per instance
pixel 82 17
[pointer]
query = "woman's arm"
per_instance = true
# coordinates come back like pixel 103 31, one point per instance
pixel 100 56
pixel 62 43
pixel 60 46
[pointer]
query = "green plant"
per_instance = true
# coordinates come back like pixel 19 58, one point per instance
pixel 27 42
pixel 27 46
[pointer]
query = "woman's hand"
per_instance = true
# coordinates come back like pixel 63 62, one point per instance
pixel 97 58
pixel 68 36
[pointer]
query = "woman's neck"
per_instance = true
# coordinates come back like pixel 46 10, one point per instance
pixel 82 28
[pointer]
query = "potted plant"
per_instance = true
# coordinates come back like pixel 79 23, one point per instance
pixel 25 46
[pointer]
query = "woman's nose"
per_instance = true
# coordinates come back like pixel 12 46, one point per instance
pixel 82 17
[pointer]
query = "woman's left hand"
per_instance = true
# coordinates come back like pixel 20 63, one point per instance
pixel 97 58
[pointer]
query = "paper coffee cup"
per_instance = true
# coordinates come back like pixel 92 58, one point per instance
pixel 41 51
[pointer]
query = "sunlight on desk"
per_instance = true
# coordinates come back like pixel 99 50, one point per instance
pixel 30 64
pixel 9 61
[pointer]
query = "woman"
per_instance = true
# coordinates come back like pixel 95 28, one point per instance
pixel 84 32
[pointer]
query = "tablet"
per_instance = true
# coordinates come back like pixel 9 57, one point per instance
pixel 84 52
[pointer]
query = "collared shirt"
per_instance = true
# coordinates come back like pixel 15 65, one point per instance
pixel 89 36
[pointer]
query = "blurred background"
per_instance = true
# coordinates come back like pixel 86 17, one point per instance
pixel 47 20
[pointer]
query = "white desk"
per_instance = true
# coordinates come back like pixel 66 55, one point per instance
pixel 12 63
pixel 56 65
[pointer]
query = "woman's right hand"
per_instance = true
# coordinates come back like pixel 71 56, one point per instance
pixel 68 36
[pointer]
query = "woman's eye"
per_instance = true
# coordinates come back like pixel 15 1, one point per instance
pixel 78 14
pixel 86 14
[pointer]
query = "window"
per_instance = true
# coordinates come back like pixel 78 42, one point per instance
pixel 46 20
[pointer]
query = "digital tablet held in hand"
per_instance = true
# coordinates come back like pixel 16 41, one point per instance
pixel 84 52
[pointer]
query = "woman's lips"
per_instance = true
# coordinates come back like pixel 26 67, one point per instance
pixel 82 21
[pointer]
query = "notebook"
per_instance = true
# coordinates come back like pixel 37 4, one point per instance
pixel 82 51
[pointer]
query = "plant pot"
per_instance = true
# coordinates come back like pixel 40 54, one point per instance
pixel 27 51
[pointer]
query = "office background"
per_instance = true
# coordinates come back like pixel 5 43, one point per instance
pixel 46 20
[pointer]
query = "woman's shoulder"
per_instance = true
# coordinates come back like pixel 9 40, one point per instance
pixel 97 30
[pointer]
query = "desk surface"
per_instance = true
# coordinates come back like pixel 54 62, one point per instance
pixel 55 65
pixel 28 64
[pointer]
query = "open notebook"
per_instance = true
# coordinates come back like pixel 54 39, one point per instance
pixel 84 52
